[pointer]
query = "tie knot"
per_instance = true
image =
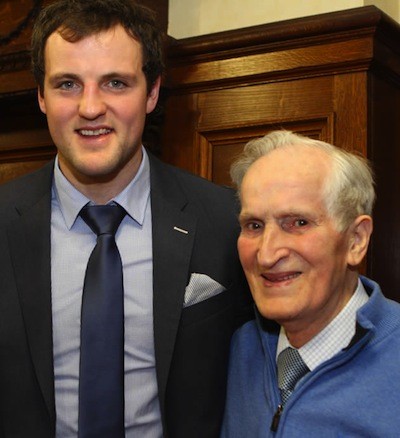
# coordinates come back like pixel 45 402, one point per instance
pixel 103 219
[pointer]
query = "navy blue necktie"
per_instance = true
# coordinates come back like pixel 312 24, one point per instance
pixel 101 379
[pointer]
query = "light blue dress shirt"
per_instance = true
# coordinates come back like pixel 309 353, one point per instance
pixel 334 337
pixel 72 242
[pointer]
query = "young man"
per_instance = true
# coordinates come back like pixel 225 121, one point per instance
pixel 324 353
pixel 98 65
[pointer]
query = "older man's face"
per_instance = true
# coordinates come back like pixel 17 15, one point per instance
pixel 295 260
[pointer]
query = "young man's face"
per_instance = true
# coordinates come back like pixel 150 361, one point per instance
pixel 96 100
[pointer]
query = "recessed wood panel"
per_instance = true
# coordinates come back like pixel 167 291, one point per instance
pixel 248 105
pixel 218 149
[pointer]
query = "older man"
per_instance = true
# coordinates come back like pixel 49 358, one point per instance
pixel 323 356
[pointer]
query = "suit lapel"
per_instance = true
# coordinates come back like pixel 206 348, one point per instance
pixel 29 241
pixel 173 237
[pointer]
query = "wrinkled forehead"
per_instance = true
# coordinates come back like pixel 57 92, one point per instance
pixel 296 164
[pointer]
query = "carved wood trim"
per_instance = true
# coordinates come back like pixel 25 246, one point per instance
pixel 22 25
pixel 14 61
pixel 366 20
pixel 353 40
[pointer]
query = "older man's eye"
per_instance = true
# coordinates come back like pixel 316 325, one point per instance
pixel 250 227
pixel 300 223
pixel 294 223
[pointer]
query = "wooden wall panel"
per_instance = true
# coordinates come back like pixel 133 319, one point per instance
pixel 254 104
pixel 218 149
pixel 25 142
pixel 334 76
pixel 351 111
pixel 293 61
pixel 255 108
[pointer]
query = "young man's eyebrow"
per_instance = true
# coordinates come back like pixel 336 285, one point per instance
pixel 63 76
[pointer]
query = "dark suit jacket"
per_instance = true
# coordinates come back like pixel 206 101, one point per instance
pixel 191 344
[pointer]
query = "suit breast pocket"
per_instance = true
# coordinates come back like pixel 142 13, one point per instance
pixel 206 311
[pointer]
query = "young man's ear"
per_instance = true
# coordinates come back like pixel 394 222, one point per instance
pixel 42 104
pixel 360 233
pixel 153 95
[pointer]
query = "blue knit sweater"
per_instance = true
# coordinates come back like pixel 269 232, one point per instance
pixel 354 394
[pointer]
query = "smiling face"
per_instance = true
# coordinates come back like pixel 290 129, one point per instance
pixel 96 100
pixel 298 265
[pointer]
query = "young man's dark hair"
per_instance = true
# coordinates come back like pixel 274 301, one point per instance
pixel 76 19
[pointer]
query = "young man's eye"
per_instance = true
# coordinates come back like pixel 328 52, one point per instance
pixel 115 83
pixel 67 85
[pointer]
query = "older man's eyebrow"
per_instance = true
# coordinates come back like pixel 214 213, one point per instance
pixel 245 216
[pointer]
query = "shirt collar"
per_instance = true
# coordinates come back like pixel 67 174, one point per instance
pixel 133 198
pixel 334 337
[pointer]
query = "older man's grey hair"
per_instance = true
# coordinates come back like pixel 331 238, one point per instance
pixel 349 188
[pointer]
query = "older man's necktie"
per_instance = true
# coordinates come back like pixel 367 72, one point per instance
pixel 101 380
pixel 291 369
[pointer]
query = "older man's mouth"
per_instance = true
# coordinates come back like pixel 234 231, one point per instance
pixel 281 277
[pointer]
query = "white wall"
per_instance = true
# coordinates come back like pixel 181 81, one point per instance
pixel 198 17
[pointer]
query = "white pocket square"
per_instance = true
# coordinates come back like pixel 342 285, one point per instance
pixel 200 288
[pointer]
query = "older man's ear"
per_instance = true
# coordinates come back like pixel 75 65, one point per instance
pixel 360 233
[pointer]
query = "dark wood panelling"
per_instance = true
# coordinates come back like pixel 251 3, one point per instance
pixel 219 148
pixel 384 151
pixel 334 76
pixel 25 143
